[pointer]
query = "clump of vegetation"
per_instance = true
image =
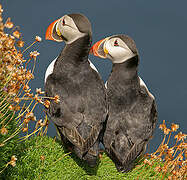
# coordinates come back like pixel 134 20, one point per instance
pixel 17 102
pixel 173 158
pixel 45 158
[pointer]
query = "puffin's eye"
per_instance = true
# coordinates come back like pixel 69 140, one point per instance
pixel 116 43
pixel 63 22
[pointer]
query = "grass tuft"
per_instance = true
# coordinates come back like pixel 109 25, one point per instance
pixel 45 158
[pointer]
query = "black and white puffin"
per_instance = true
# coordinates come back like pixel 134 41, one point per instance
pixel 82 110
pixel 132 113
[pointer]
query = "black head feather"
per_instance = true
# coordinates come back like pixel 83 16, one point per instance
pixel 82 23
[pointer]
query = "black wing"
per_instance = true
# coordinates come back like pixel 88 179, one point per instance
pixel 128 131
pixel 82 107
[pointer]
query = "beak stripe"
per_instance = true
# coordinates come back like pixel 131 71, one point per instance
pixel 105 50
pixel 58 32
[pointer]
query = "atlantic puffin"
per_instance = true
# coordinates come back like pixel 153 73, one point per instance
pixel 82 110
pixel 132 113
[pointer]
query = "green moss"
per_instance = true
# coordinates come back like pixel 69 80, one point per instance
pixel 58 164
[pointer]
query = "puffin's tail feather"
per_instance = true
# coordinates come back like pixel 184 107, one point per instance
pixel 88 154
pixel 124 160
pixel 84 137
pixel 136 151
pixel 90 160
pixel 90 157
pixel 93 136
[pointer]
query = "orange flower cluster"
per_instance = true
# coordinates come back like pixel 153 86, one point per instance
pixel 13 161
pixel 42 158
pixel 173 159
pixel 4 131
pixel 15 77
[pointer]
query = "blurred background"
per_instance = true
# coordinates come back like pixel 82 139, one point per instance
pixel 158 28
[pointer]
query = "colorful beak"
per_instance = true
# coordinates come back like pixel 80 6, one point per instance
pixel 52 34
pixel 98 49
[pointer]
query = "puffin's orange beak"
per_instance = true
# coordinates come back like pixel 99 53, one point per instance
pixel 98 50
pixel 50 31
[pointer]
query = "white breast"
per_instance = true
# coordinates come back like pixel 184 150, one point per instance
pixel 92 66
pixel 143 84
pixel 50 69
pixel 106 84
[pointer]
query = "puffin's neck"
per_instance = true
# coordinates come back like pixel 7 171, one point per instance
pixel 76 52
pixel 126 71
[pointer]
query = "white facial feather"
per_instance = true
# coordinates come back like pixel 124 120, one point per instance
pixel 119 53
pixel 69 30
